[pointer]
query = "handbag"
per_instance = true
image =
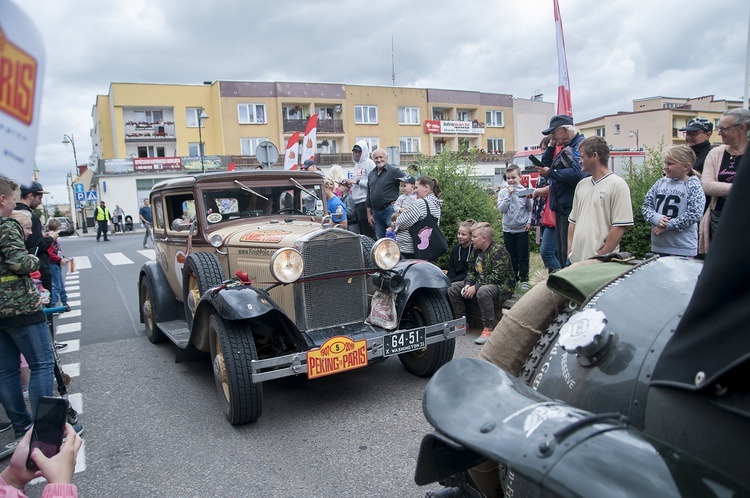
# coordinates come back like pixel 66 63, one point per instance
pixel 429 242
pixel 548 216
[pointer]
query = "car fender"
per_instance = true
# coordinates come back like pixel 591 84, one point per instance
pixel 418 275
pixel 242 302
pixel 163 302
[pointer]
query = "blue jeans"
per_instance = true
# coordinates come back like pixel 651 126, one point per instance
pixel 35 344
pixel 382 219
pixel 58 286
pixel 548 249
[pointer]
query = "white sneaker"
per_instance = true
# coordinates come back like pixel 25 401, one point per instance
pixel 525 286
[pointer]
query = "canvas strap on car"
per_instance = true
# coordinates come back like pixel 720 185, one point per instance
pixel 578 283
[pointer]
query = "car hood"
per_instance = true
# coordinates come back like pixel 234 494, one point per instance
pixel 267 235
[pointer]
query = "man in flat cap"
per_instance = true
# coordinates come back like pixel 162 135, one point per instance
pixel 562 168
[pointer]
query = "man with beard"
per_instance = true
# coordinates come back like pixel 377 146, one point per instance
pixel 38 242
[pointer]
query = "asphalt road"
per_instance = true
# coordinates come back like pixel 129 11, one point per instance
pixel 153 427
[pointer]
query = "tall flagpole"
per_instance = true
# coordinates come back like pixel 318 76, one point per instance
pixel 564 104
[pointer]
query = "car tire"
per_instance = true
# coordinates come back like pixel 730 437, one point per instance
pixel 232 350
pixel 428 307
pixel 203 272
pixel 148 309
pixel 367 244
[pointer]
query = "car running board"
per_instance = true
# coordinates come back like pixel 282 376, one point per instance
pixel 177 331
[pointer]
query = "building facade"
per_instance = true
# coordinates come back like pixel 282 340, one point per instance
pixel 656 119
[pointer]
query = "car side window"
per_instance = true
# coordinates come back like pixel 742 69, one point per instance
pixel 180 210
pixel 158 212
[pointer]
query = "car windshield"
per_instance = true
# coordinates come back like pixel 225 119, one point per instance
pixel 223 204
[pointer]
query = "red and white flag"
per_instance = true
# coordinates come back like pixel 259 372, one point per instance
pixel 309 144
pixel 564 104
pixel 291 158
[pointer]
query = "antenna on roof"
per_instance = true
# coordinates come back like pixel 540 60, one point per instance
pixel 393 64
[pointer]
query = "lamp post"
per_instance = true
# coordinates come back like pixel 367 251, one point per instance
pixel 635 134
pixel 201 116
pixel 68 139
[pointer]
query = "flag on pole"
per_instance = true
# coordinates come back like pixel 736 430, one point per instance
pixel 564 104
pixel 309 144
pixel 231 166
pixel 292 151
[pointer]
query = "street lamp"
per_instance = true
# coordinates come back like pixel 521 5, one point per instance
pixel 68 139
pixel 201 116
pixel 635 134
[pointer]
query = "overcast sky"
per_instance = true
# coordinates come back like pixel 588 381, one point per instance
pixel 618 50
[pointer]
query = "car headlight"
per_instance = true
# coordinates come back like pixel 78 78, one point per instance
pixel 216 240
pixel 286 265
pixel 385 254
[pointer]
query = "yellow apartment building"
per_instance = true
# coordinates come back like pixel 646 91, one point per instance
pixel 654 119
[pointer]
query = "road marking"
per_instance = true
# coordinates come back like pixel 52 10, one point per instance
pixel 74 303
pixel 82 263
pixel 118 258
pixel 73 345
pixel 72 369
pixel 70 314
pixel 74 294
pixel 81 459
pixel 72 281
pixel 148 253
pixel 72 287
pixel 68 328
pixel 76 401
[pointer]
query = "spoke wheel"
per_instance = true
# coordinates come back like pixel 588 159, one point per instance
pixel 149 315
pixel 427 308
pixel 203 272
pixel 232 350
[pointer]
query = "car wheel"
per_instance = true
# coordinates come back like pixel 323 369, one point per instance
pixel 149 312
pixel 367 244
pixel 203 272
pixel 232 350
pixel 427 308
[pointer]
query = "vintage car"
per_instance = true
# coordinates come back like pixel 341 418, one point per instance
pixel 250 269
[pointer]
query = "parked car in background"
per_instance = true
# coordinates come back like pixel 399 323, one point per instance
pixel 66 225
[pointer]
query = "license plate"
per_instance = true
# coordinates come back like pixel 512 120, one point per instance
pixel 405 341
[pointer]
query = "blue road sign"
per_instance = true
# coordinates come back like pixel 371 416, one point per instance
pixel 80 196
pixel 91 195
pixel 78 187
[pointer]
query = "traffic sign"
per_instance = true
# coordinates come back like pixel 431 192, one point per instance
pixel 80 196
pixel 91 195
pixel 78 187
pixel 267 153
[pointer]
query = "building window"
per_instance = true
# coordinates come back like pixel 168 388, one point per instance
pixel 495 118
pixel 366 114
pixel 252 113
pixel 249 145
pixel 409 145
pixel 148 116
pixel 463 116
pixel 408 115
pixel 439 147
pixel 372 142
pixel 617 129
pixel 600 132
pixel 151 151
pixel 193 149
pixel 191 113
pixel 496 145
pixel 438 114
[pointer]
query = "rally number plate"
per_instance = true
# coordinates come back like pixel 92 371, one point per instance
pixel 404 341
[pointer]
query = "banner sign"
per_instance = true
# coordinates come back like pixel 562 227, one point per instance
pixel 158 163
pixel 453 127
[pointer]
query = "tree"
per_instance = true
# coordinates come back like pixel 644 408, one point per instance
pixel 463 195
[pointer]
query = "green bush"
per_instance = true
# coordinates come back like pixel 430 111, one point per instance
pixel 637 239
pixel 463 195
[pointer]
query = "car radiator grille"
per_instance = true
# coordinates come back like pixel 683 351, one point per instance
pixel 333 301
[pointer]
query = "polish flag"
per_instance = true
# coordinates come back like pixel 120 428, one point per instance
pixel 564 104
pixel 231 166
pixel 309 144
pixel 292 151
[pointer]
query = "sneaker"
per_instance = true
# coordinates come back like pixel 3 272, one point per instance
pixel 486 333
pixel 67 307
pixel 525 286
pixel 61 346
pixel 4 426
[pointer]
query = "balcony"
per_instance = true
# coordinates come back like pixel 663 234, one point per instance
pixel 163 131
pixel 324 125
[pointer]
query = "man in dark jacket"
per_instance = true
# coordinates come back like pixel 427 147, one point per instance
pixel 698 136
pixel 562 168
pixel 37 243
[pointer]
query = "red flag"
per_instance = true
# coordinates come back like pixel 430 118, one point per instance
pixel 309 144
pixel 564 103
pixel 292 151
pixel 231 166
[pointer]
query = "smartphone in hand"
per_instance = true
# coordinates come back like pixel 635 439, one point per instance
pixel 535 161
pixel 49 428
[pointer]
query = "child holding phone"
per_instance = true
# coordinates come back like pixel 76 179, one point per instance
pixel 674 205
pixel 516 211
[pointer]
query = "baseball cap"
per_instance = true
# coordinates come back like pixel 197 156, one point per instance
pixel 558 121
pixel 307 163
pixel 407 179
pixel 32 188
pixel 357 147
pixel 698 124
